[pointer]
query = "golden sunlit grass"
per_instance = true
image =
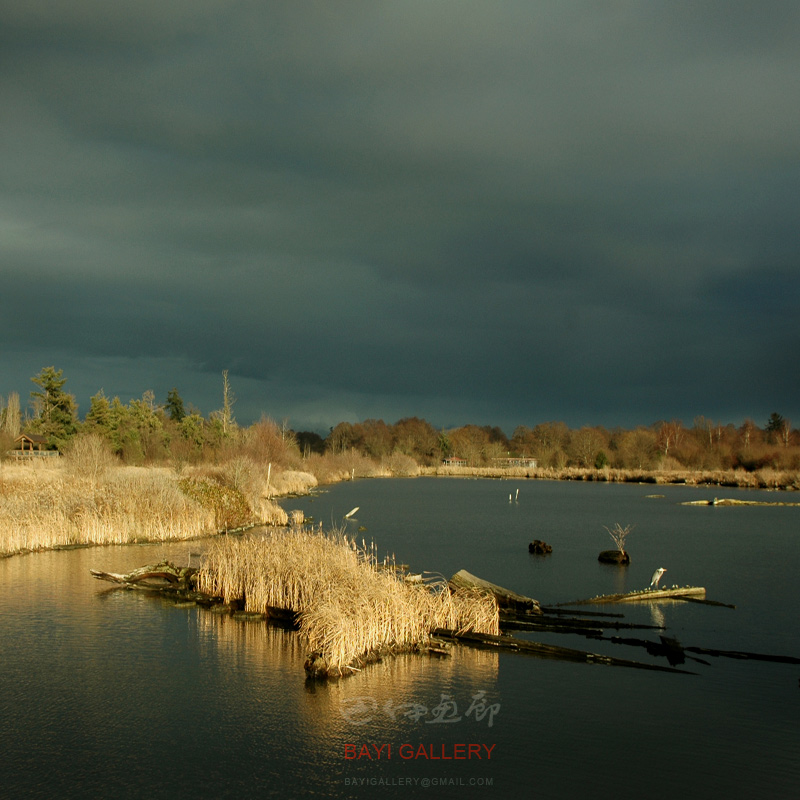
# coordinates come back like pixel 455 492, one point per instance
pixel 760 479
pixel 43 507
pixel 351 607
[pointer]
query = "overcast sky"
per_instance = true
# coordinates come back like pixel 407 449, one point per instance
pixel 490 212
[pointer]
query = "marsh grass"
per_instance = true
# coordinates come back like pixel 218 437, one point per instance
pixel 351 607
pixel 44 507
pixel 766 478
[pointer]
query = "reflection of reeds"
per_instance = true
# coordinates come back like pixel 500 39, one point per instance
pixel 351 608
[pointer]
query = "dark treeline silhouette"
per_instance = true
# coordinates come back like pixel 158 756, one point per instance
pixel 145 431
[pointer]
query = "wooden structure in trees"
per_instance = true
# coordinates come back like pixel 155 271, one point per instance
pixel 509 463
pixel 31 445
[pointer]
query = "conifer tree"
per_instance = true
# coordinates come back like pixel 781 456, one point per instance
pixel 56 410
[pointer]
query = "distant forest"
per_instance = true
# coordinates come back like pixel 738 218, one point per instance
pixel 146 431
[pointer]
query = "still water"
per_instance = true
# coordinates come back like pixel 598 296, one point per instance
pixel 106 693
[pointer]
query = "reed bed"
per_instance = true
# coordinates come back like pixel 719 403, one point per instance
pixel 739 478
pixel 48 507
pixel 351 607
pixel 291 482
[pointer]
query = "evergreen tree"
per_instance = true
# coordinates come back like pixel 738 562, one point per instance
pixel 56 410
pixel 174 407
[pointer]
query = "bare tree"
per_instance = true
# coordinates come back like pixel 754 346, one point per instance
pixel 227 405
pixel 11 415
pixel 785 432
pixel 619 534
pixel 669 435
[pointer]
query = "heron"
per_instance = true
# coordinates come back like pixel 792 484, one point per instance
pixel 656 577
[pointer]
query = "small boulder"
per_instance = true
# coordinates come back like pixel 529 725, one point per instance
pixel 539 548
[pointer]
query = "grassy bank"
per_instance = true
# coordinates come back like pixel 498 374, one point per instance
pixel 352 608
pixel 89 498
pixel 45 506
pixel 760 479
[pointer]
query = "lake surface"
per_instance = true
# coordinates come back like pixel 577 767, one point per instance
pixel 108 693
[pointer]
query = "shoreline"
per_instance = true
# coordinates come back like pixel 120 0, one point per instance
pixel 90 517
pixel 771 480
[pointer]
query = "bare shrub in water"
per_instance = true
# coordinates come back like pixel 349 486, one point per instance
pixel 618 535
pixel 350 606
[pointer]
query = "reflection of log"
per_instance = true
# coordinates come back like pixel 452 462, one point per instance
pixel 578 625
pixel 668 648
pixel 743 655
pixel 539 650
pixel 554 610
pixel 706 602
pixel 674 651
pixel 505 597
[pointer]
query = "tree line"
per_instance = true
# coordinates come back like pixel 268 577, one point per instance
pixel 145 431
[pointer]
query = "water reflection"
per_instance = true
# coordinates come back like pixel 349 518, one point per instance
pixel 657 615
pixel 102 690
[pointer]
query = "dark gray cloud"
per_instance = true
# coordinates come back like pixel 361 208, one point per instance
pixel 473 212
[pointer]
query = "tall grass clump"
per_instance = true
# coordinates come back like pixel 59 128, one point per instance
pixel 351 607
pixel 46 507
pixel 237 492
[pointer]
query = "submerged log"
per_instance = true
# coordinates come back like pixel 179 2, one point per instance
pixel 548 651
pixel 506 599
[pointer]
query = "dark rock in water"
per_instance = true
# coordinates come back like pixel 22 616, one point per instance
pixel 539 548
pixel 614 557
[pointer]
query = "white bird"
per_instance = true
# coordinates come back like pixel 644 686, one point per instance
pixel 656 577
pixel 350 513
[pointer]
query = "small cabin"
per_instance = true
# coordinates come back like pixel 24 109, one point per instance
pixel 31 441
pixel 31 445
pixel 454 461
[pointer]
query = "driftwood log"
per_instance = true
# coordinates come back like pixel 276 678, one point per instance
pixel 506 599
pixel 645 595
pixel 180 584
pixel 517 613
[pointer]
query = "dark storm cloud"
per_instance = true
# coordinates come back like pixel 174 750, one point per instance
pixel 489 212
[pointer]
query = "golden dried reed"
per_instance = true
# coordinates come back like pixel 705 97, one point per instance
pixel 46 507
pixel 351 607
